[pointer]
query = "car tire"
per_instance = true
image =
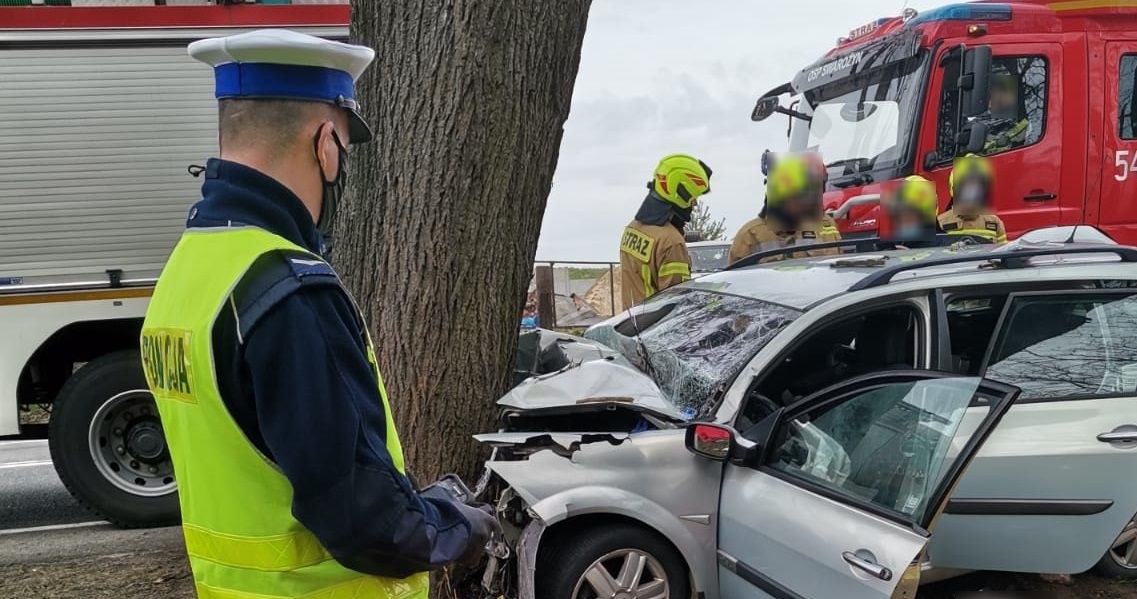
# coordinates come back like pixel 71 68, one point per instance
pixel 1121 559
pixel 108 446
pixel 563 569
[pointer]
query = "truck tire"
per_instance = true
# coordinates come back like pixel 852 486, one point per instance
pixel 108 445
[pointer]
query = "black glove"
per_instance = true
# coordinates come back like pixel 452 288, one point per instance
pixel 483 527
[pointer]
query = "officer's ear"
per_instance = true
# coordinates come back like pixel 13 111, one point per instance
pixel 327 153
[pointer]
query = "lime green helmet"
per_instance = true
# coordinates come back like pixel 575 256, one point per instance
pixel 794 175
pixel 919 194
pixel 970 166
pixel 680 179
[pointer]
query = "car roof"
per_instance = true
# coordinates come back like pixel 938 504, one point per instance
pixel 805 282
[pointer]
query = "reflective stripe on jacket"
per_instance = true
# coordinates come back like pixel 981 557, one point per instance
pixel 242 539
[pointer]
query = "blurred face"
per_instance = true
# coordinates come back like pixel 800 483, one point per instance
pixel 1003 101
pixel 802 207
pixel 971 196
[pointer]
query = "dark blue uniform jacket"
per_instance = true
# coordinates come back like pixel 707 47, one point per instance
pixel 293 371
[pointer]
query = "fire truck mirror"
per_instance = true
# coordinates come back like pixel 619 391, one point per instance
pixel 973 81
pixel 972 139
pixel 764 108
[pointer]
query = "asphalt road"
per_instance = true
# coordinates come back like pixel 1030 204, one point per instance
pixel 31 495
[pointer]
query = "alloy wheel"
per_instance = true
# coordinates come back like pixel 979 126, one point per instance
pixel 623 574
pixel 1124 550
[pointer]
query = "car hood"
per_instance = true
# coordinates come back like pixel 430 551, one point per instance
pixel 589 385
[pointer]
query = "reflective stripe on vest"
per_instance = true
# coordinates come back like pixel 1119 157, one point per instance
pixel 240 534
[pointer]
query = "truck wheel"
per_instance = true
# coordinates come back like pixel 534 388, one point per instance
pixel 108 445
pixel 1121 559
pixel 619 560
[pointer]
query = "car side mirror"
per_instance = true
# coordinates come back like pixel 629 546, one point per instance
pixel 720 443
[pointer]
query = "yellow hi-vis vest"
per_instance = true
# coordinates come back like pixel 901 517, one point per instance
pixel 242 539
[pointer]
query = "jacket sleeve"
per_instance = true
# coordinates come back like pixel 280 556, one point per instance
pixel 674 265
pixel 321 418
pixel 740 247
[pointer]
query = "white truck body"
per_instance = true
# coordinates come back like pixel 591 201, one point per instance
pixel 97 128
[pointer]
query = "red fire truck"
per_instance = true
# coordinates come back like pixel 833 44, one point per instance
pixel 101 111
pixel 1042 87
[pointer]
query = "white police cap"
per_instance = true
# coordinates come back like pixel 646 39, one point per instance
pixel 283 64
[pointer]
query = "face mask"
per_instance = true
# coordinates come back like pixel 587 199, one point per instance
pixel 333 190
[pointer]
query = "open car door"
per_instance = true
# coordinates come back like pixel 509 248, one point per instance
pixel 834 496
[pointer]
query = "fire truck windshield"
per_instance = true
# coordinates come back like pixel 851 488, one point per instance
pixel 863 125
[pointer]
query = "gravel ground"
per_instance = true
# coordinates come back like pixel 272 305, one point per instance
pixel 147 575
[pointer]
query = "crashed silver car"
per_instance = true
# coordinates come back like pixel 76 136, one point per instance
pixel 802 428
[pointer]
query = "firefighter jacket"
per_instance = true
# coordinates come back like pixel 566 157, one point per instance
pixel 652 258
pixel 984 224
pixel 768 233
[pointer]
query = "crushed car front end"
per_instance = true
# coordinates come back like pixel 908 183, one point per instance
pixel 600 443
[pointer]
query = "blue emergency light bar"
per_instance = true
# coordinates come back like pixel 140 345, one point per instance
pixel 965 12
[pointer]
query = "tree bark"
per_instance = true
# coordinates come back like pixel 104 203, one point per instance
pixel 437 237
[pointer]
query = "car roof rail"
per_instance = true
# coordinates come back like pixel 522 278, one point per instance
pixel 859 246
pixel 1005 259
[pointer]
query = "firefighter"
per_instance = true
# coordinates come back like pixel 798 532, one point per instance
pixel 653 252
pixel 969 213
pixel 1006 129
pixel 793 212
pixel 912 209
pixel 289 467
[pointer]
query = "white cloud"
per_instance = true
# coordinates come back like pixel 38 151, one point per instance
pixel 663 76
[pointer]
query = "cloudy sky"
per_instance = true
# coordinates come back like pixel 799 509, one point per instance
pixel 664 76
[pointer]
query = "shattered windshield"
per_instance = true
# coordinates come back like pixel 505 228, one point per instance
pixel 695 341
pixel 863 123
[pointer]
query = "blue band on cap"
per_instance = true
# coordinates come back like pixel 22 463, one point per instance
pixel 268 80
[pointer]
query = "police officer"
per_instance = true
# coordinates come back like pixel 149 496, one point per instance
pixel 653 252
pixel 793 212
pixel 969 213
pixel 289 467
pixel 912 208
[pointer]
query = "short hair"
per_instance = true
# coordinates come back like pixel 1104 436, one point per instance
pixel 275 125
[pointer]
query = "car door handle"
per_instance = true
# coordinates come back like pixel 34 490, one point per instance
pixel 1038 195
pixel 873 568
pixel 1122 434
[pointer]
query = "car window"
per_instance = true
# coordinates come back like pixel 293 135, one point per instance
pixel 693 342
pixel 889 446
pixel 1067 346
pixel 1127 102
pixel 971 325
pixel 1016 115
pixel 708 258
pixel 883 339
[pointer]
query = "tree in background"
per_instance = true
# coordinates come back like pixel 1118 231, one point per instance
pixel 703 224
pixel 437 237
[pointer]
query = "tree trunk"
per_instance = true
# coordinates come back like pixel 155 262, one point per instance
pixel 468 99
